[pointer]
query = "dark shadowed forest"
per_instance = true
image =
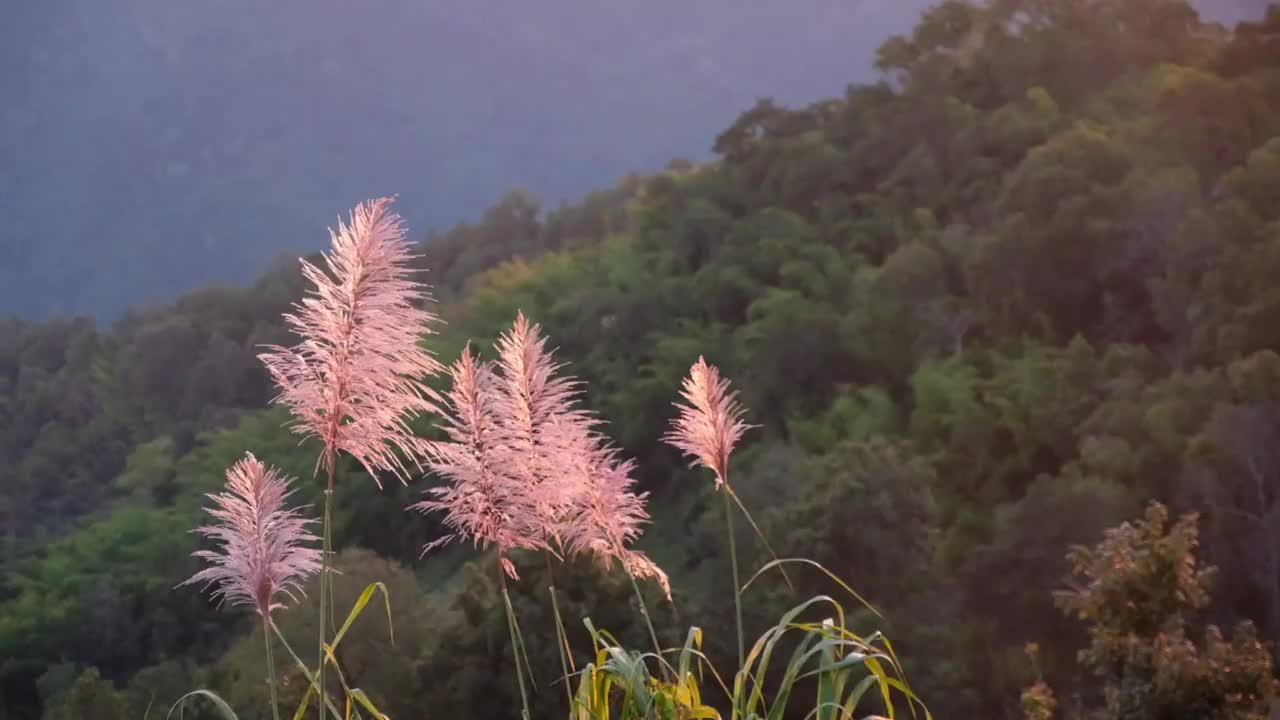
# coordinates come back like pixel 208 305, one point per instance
pixel 1008 322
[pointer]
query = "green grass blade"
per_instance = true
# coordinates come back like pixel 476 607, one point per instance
pixel 827 683
pixel 912 699
pixel 311 678
pixel 223 708
pixel 821 710
pixel 358 608
pixel 600 635
pixel 782 694
pixel 706 664
pixel 844 663
pixel 692 641
pixel 855 696
pixel 893 656
pixel 886 693
pixel 364 701
pixel 805 561
pixel 306 703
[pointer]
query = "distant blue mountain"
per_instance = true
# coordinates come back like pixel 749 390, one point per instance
pixel 151 146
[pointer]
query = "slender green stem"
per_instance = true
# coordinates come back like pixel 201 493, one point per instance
pixel 737 583
pixel 562 637
pixel 515 642
pixel 271 668
pixel 324 575
pixel 306 672
pixel 653 635
pixel 760 534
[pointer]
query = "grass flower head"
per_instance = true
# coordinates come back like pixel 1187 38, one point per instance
pixel 264 552
pixel 356 376
pixel 710 425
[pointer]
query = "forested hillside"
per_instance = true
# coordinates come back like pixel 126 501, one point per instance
pixel 982 310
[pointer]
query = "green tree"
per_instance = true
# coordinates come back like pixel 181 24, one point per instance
pixel 1138 591
pixel 90 697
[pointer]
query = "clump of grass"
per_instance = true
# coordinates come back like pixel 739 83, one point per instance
pixel 848 670
pixel 527 469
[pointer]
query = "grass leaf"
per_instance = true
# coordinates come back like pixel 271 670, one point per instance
pixel 223 708
pixel 358 608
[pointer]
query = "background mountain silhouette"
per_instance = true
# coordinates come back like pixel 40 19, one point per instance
pixel 151 146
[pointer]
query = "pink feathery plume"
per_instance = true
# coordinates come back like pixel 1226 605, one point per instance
pixel 606 513
pixel 264 553
pixel 356 377
pixel 708 428
pixel 483 501
pixel 532 401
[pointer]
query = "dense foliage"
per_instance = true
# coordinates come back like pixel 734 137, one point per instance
pixel 1138 591
pixel 982 309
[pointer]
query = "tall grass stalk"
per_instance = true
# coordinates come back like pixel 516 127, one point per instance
pixel 707 428
pixel 324 575
pixel 271 668
pixel 562 636
pixel 759 533
pixel 644 612
pixel 515 642
pixel 737 581
pixel 311 677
